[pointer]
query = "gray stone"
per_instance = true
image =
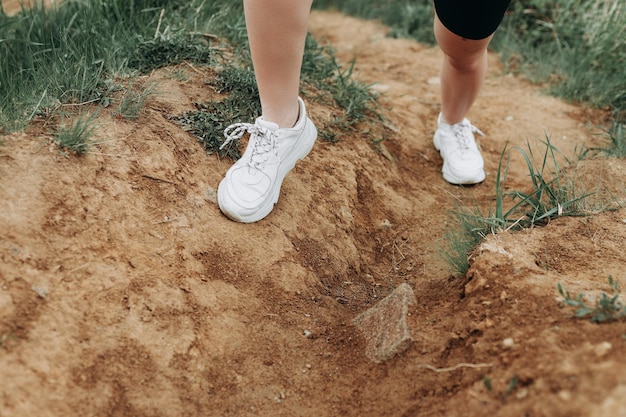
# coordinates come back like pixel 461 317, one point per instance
pixel 384 326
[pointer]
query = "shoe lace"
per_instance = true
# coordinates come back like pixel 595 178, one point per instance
pixel 264 140
pixel 463 133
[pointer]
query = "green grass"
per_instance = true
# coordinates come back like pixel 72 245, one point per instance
pixel 616 146
pixel 70 54
pixel 550 194
pixel 133 100
pixel 323 80
pixel 406 18
pixel 87 53
pixel 74 136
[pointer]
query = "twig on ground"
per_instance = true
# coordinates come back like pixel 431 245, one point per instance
pixel 455 367
pixel 157 178
pixel 168 220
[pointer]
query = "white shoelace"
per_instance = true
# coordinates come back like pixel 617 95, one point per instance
pixel 264 140
pixel 463 139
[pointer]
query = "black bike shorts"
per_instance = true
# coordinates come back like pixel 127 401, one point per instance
pixel 471 19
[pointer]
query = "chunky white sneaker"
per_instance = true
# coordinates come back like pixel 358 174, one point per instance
pixel 462 161
pixel 251 186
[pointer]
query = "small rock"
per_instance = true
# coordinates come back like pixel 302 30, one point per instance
pixel 385 224
pixel 565 395
pixel 384 325
pixel 508 343
pixel 521 394
pixel 211 195
pixel 602 349
pixel 41 292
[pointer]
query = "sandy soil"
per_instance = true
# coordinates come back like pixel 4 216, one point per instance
pixel 125 292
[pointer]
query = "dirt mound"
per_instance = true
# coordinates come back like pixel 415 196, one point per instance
pixel 125 292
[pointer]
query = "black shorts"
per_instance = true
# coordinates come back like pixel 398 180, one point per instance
pixel 471 19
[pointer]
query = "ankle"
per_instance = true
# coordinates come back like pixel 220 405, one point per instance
pixel 284 119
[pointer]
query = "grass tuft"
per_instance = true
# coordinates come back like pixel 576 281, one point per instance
pixel 133 100
pixel 76 137
pixel 617 143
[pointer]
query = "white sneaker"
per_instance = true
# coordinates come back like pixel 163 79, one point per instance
pixel 251 186
pixel 462 161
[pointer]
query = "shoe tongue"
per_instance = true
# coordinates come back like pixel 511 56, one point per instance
pixel 268 125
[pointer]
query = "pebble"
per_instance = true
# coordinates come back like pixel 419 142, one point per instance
pixel 41 292
pixel 602 349
pixel 385 224
pixel 508 343
pixel 211 195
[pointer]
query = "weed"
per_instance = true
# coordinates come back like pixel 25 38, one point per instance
pixel 133 101
pixel 607 307
pixel 552 194
pixel 487 383
pixel 466 228
pixel 210 119
pixel 509 389
pixel 616 147
pixel 171 49
pixel 76 137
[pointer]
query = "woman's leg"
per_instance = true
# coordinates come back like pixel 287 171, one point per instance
pixel 283 134
pixel 462 72
pixel 277 32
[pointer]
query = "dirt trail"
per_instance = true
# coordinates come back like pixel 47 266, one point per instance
pixel 125 292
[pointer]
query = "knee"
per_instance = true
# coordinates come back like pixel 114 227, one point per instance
pixel 463 55
pixel 466 63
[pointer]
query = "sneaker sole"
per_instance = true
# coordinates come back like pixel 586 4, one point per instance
pixel 467 179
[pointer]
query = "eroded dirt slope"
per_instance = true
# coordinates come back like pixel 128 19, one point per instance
pixel 125 292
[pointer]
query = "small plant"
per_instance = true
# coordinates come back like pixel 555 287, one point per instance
pixel 133 100
pixel 617 146
pixel 607 307
pixel 509 389
pixel 210 119
pixel 76 137
pixel 487 383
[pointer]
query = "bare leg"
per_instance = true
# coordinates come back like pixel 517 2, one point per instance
pixel 277 31
pixel 462 72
